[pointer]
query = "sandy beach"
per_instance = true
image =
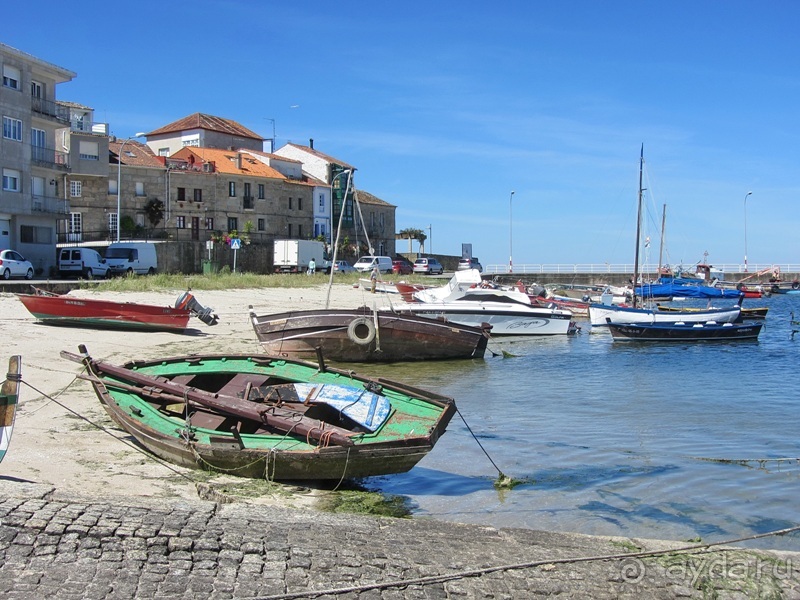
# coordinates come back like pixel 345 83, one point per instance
pixel 63 436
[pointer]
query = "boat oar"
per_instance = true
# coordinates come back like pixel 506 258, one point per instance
pixel 503 480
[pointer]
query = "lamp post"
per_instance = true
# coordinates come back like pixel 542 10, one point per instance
pixel 338 228
pixel 510 231
pixel 745 230
pixel 430 237
pixel 119 176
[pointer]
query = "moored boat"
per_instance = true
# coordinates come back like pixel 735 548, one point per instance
pixel 63 309
pixel 683 332
pixel 747 313
pixel 269 417
pixel 364 335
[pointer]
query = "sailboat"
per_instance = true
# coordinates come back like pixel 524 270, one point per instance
pixel 600 315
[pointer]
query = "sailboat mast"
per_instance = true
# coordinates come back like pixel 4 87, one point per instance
pixel 638 228
pixel 661 247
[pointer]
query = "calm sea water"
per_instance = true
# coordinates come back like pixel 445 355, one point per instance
pixel 618 438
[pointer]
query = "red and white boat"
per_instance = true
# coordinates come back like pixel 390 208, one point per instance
pixel 63 309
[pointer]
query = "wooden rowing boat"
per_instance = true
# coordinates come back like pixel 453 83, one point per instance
pixel 269 417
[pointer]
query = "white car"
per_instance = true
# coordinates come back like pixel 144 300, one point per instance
pixel 342 266
pixel 13 264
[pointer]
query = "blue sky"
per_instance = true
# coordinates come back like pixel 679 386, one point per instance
pixel 446 107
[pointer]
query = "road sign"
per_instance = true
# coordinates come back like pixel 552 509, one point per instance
pixel 236 243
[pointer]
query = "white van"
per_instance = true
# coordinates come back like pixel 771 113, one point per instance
pixel 365 264
pixel 81 262
pixel 131 257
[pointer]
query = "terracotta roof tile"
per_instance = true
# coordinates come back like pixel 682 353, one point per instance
pixel 225 161
pixel 134 154
pixel 209 123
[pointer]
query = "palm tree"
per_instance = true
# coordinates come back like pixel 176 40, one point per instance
pixel 414 234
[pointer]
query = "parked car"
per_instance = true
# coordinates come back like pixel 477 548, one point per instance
pixel 342 266
pixel 429 266
pixel 470 263
pixel 401 266
pixel 13 264
pixel 81 262
pixel 365 264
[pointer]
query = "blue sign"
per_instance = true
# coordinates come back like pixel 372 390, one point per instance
pixel 236 243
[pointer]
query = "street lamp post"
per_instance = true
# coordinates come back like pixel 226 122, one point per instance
pixel 745 230
pixel 510 231
pixel 119 176
pixel 430 237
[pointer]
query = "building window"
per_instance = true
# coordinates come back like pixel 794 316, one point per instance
pixel 198 195
pixel 89 150
pixel 260 191
pixel 247 189
pixel 31 234
pixel 37 89
pixel 163 151
pixel 112 222
pixel 12 129
pixel 75 189
pixel 232 189
pixel 233 224
pixel 210 223
pixel 299 230
pixel 139 188
pixel 322 203
pixel 112 186
pixel 11 77
pixel 261 224
pixel 75 227
pixel 299 204
pixel 290 203
pixel 181 194
pixel 289 230
pixel 180 222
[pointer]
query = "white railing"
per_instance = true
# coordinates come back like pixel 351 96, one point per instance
pixel 534 268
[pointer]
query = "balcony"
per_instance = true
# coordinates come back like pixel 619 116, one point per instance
pixel 21 204
pixel 249 202
pixel 48 108
pixel 49 158
pixel 48 204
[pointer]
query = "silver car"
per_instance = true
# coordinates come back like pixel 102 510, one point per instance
pixel 13 264
pixel 470 263
pixel 429 266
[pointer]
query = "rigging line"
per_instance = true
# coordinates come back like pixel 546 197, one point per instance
pixel 433 579
pixel 479 443
pixel 361 218
pixel 104 430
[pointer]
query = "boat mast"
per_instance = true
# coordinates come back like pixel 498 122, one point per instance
pixel 661 247
pixel 638 228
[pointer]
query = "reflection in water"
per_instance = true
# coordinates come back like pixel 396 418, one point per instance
pixel 607 436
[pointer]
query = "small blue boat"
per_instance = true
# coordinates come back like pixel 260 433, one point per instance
pixel 683 332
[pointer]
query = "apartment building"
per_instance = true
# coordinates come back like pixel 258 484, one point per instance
pixel 34 195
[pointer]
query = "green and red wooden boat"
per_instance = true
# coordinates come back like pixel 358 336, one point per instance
pixel 63 309
pixel 269 417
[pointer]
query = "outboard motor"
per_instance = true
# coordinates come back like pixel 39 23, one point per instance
pixel 206 315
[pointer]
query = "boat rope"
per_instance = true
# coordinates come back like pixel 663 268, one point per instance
pixel 344 471
pixel 100 427
pixel 502 480
pixel 543 563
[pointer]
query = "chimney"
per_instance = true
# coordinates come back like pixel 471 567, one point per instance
pixel 311 143
pixel 238 160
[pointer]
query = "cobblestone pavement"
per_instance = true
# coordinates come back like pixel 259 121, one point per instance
pixel 58 546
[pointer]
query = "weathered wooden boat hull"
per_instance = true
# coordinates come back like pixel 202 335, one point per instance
pixel 141 398
pixel 67 310
pixel 9 397
pixel 361 335
pixel 683 332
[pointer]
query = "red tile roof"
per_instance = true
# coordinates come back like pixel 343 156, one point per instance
pixel 209 123
pixel 133 153
pixel 225 161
